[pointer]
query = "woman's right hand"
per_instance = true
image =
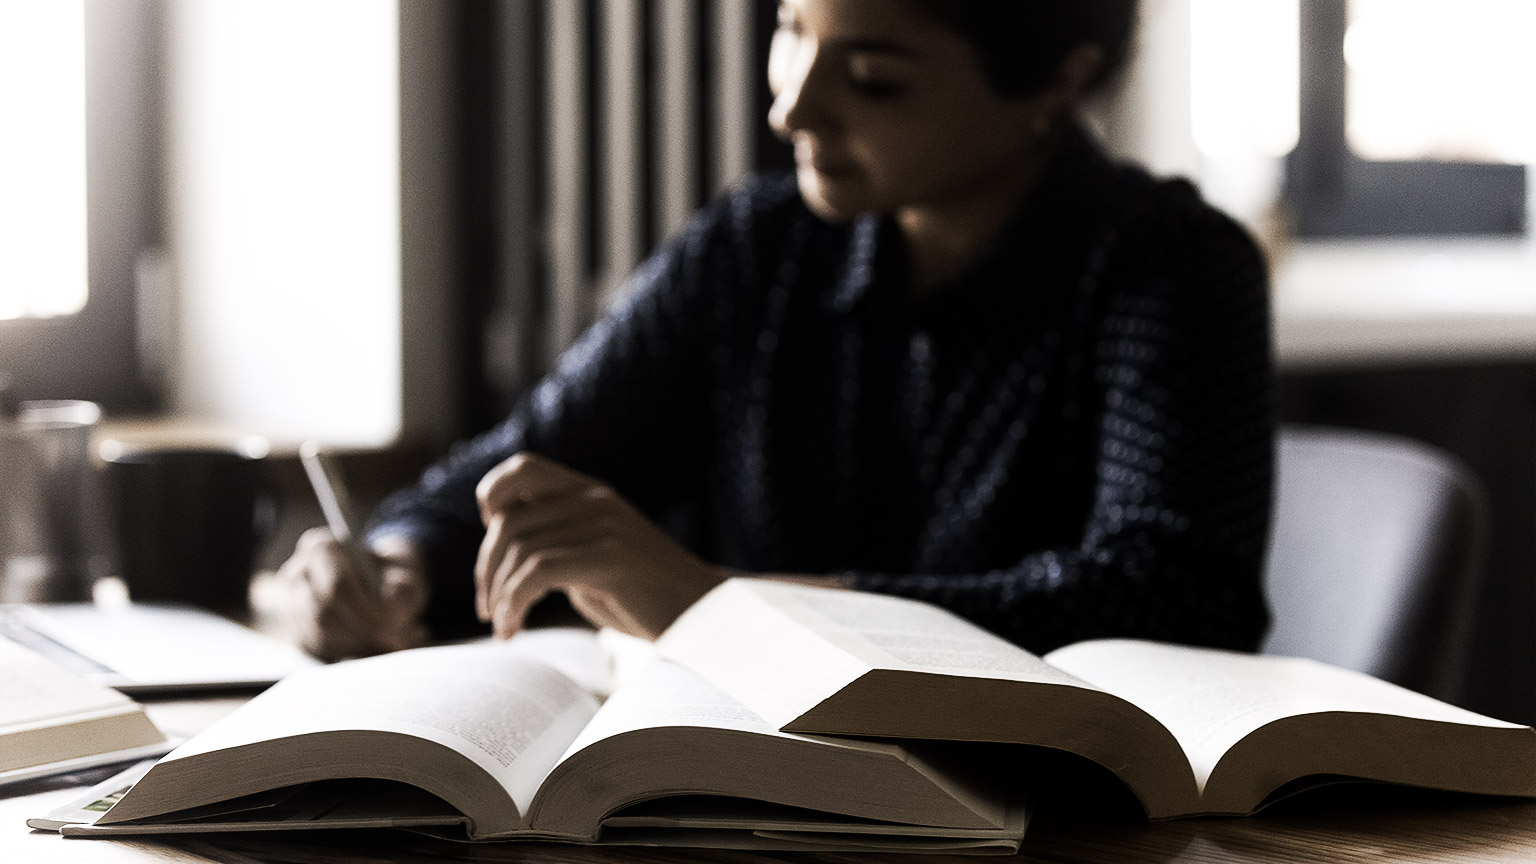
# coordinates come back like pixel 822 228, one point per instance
pixel 326 607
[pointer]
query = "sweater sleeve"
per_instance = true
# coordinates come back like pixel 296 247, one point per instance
pixel 626 404
pixel 1173 544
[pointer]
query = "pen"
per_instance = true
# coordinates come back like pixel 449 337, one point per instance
pixel 336 505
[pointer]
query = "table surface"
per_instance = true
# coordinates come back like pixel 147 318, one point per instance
pixel 1342 823
pixel 1349 304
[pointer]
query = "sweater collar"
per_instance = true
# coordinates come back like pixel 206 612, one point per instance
pixel 875 248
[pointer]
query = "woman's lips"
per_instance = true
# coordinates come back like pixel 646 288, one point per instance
pixel 822 163
pixel 829 170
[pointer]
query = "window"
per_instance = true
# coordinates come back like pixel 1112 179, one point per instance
pixel 1414 118
pixel 77 195
pixel 1243 101
pixel 1471 105
pixel 42 172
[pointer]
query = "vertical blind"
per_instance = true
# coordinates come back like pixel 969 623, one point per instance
pixel 615 120
pixel 649 108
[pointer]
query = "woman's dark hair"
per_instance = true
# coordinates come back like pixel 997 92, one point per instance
pixel 1022 43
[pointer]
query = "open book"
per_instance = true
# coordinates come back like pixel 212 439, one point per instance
pixel 520 740
pixel 792 717
pixel 1188 730
pixel 53 720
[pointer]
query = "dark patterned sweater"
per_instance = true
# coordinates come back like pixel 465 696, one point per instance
pixel 1072 439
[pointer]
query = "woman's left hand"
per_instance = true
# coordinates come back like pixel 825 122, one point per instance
pixel 549 528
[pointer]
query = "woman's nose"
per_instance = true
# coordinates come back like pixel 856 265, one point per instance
pixel 799 95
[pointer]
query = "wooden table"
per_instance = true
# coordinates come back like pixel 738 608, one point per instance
pixel 1347 823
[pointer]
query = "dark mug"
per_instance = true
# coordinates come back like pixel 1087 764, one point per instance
pixel 189 520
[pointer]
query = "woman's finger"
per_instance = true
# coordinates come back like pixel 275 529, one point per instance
pixel 329 610
pixel 405 593
pixel 523 478
pixel 305 621
pixel 569 518
pixel 344 608
pixel 505 528
pixel 604 610
pixel 511 486
pixel 488 559
pixel 570 537
pixel 561 568
pixel 296 607
pixel 582 503
pixel 527 585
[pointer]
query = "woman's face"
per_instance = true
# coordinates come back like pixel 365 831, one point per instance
pixel 888 110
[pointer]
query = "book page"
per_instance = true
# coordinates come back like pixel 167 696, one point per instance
pixel 665 694
pixel 744 642
pixel 497 703
pixel 696 738
pixel 580 654
pixel 54 720
pixel 1211 699
pixel 86 807
pixel 627 655
pixel 782 649
pixel 896 633
pixel 38 691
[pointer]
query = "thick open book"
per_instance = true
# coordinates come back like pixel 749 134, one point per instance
pixel 1189 731
pixel 53 720
pixel 523 740
pixel 792 717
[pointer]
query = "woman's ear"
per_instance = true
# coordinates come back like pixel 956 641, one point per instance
pixel 1073 76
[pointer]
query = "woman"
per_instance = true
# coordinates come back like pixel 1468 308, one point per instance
pixel 958 356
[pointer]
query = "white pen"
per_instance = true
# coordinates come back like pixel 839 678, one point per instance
pixel 337 505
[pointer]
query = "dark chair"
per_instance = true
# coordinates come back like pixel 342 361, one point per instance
pixel 1375 556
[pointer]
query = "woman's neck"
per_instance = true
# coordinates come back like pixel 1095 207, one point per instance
pixel 945 238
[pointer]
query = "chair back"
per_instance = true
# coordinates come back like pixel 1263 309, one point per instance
pixel 1375 556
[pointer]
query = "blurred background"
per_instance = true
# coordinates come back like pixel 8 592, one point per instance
pixel 376 223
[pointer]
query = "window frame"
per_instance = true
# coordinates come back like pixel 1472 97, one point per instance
pixel 1334 192
pixel 96 354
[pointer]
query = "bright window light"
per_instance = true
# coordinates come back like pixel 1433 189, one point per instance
pixel 284 215
pixel 1431 80
pixel 42 158
pixel 1244 70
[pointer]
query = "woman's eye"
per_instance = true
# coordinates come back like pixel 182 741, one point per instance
pixel 877 89
pixel 875 79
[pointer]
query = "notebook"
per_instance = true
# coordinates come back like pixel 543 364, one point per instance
pixel 53 721
pixel 146 649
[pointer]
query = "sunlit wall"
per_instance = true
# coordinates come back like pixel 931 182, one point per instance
pixel 284 215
